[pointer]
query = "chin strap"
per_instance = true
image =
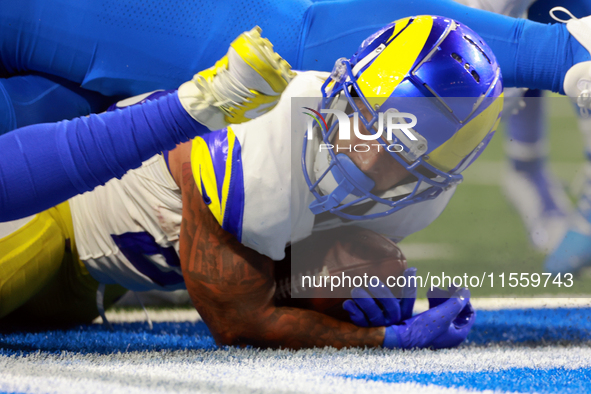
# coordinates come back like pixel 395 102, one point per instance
pixel 345 187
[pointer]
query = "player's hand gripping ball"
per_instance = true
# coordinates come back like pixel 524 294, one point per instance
pixel 378 307
pixel 342 252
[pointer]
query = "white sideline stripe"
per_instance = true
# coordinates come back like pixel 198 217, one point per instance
pixel 125 385
pixel 156 315
pixel 490 304
pixel 495 304
pixel 241 371
pixel 427 251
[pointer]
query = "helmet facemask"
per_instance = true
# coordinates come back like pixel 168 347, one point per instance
pixel 333 168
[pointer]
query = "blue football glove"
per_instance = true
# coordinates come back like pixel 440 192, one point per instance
pixel 430 329
pixel 459 328
pixel 377 306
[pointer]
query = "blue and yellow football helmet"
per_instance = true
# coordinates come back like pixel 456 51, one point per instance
pixel 431 67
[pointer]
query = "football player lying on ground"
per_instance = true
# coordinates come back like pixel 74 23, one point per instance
pixel 164 45
pixel 223 207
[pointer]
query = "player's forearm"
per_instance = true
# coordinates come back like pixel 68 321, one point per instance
pixel 43 165
pixel 232 287
pixel 299 328
pixel 242 313
pixel 252 320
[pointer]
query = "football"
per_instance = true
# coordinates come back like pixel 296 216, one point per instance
pixel 319 272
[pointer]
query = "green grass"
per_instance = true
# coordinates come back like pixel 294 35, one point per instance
pixel 484 231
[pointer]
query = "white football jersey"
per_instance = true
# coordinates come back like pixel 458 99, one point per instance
pixel 258 191
pixel 249 175
pixel 127 231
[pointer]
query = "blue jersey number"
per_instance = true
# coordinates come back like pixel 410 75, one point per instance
pixel 137 246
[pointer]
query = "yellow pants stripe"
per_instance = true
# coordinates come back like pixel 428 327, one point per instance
pixel 30 257
pixel 41 276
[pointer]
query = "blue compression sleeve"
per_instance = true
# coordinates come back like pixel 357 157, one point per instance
pixel 44 165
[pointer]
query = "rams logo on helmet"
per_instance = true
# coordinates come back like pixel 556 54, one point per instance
pixel 433 67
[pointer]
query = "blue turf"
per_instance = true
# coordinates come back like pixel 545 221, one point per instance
pixel 529 327
pixel 532 325
pixel 127 337
pixel 524 380
pixel 520 326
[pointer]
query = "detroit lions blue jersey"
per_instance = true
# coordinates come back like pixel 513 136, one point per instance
pixel 124 47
